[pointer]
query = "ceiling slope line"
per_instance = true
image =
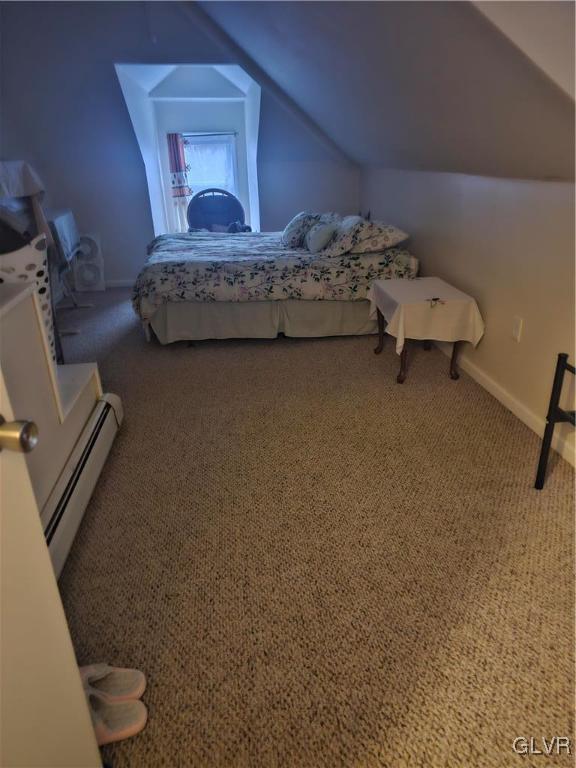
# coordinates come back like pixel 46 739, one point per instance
pixel 197 14
pixel 564 86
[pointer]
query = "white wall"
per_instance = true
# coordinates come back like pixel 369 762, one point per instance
pixel 252 126
pixel 297 173
pixel 144 124
pixel 510 244
pixel 63 111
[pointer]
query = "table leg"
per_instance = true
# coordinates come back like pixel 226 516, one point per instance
pixel 380 346
pixel 453 367
pixel 402 373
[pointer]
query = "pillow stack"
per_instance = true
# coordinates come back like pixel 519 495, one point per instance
pixel 319 235
pixel 330 235
pixel 376 236
pixel 297 229
pixel 356 235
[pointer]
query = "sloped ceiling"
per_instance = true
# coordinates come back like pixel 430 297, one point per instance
pixel 543 31
pixel 416 85
pixel 148 76
pixel 236 76
pixel 197 81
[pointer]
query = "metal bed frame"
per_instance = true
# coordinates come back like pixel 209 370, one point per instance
pixel 555 415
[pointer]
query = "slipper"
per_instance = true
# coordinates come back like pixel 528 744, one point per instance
pixel 115 720
pixel 114 683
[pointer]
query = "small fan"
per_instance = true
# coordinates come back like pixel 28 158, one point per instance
pixel 89 265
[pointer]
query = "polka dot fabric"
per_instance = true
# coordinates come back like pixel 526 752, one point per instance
pixel 30 265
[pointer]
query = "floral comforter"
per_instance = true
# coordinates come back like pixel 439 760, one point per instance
pixel 256 266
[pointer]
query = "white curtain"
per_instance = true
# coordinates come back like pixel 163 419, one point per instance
pixel 211 161
pixel 180 208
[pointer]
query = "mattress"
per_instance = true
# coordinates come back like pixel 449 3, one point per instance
pixel 207 267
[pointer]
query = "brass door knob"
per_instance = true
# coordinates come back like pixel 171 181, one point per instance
pixel 21 436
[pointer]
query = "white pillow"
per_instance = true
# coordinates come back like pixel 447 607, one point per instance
pixel 375 236
pixel 330 218
pixel 297 229
pixel 346 236
pixel 319 235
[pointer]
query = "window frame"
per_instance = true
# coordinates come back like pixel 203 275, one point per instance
pixel 229 138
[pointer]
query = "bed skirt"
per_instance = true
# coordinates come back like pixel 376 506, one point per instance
pixel 194 321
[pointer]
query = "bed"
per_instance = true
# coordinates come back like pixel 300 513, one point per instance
pixel 207 285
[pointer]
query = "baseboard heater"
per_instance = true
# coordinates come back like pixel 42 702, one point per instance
pixel 66 504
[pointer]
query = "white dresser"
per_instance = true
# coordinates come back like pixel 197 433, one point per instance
pixel 76 422
pixel 44 716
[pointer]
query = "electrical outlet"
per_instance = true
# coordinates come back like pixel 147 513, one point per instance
pixel 517 327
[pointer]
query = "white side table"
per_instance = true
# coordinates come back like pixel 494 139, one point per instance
pixel 425 308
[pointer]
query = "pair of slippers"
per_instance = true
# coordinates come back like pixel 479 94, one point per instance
pixel 113 695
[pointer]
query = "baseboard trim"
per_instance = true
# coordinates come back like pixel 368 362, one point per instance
pixel 119 283
pixel 536 423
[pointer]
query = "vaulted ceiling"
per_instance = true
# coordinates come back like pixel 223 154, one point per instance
pixel 417 85
pixel 198 81
pixel 544 31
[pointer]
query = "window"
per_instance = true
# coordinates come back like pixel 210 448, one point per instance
pixel 211 161
pixel 222 137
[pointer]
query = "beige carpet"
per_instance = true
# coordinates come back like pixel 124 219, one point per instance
pixel 316 566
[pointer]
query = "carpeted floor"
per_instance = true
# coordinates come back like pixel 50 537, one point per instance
pixel 316 566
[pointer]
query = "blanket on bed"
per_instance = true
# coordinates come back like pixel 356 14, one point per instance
pixel 256 266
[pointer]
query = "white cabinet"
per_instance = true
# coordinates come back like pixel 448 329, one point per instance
pixel 76 422
pixel 44 717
